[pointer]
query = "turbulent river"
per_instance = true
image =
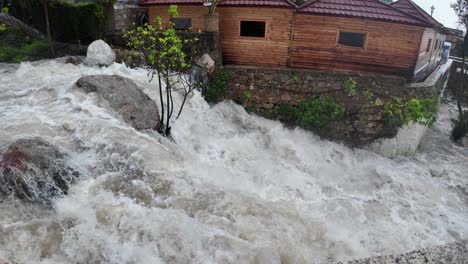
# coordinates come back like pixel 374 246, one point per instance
pixel 230 188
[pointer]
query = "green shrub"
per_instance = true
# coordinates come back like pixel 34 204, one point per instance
pixel 399 113
pixel 216 88
pixel 319 112
pixel 316 112
pixel 350 86
pixel 9 53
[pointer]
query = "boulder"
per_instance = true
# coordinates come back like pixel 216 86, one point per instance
pixel 34 170
pixel 124 97
pixel 206 62
pixel 100 54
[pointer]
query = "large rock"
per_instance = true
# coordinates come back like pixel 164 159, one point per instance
pixel 206 62
pixel 124 97
pixel 34 170
pixel 17 24
pixel 100 54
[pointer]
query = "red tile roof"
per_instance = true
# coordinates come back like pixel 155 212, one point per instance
pixel 370 9
pixel 270 3
pixel 170 2
pixel 413 9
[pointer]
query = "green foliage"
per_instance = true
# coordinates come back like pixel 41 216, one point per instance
pixel 5 9
pixel 350 86
pixel 295 77
pixel 23 53
pixel 247 95
pixel 368 94
pixel 173 12
pixel 399 112
pixel 216 88
pixel 317 112
pixel 164 50
pixel 170 58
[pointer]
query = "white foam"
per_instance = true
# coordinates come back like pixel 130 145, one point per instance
pixel 231 188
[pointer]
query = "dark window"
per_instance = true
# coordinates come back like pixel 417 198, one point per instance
pixel 436 46
pixel 254 29
pixel 429 45
pixel 352 39
pixel 182 23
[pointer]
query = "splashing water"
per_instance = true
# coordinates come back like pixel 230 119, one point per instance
pixel 230 188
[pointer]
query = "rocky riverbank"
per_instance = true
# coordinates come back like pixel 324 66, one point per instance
pixel 454 253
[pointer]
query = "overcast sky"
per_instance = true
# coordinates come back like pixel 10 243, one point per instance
pixel 443 12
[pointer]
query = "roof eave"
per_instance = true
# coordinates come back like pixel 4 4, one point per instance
pixel 367 18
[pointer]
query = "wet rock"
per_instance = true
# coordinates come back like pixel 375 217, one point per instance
pixel 124 97
pixel 454 253
pixel 75 60
pixel 130 58
pixel 207 62
pixel 100 54
pixel 34 170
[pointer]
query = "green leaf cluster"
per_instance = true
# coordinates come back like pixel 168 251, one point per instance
pixel 163 48
pixel 398 112
pixel 170 57
pixel 216 88
pixel 5 9
pixel 350 86
pixel 317 112
pixel 16 46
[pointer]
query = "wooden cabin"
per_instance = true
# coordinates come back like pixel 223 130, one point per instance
pixel 364 35
pixel 251 32
pixel 432 41
pixel 357 35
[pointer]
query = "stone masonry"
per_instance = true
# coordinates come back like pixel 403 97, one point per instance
pixel 262 90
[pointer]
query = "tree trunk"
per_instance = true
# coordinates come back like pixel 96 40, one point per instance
pixel 167 131
pixel 162 103
pixel 49 36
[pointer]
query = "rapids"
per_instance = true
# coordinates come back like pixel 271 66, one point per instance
pixel 230 188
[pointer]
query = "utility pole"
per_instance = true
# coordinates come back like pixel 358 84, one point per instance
pixel 432 9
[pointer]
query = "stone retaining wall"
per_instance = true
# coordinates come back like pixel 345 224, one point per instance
pixel 263 90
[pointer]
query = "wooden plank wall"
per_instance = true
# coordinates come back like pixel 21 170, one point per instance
pixel 271 51
pixel 389 47
pixel 195 12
